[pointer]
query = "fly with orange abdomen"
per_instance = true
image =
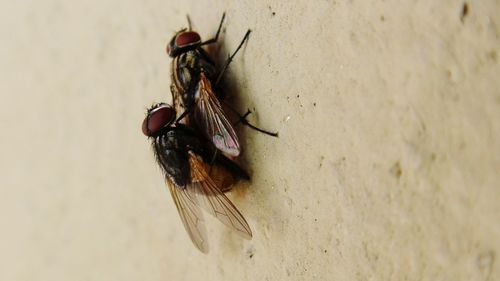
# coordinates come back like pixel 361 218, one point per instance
pixel 193 175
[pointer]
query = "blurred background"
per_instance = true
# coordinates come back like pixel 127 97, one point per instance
pixel 386 167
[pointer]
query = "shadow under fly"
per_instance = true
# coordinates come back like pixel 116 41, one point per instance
pixel 195 82
pixel 195 177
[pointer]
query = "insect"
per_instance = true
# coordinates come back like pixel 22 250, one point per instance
pixel 194 181
pixel 195 79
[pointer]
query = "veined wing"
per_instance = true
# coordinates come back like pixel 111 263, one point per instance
pixel 212 120
pixel 191 216
pixel 208 196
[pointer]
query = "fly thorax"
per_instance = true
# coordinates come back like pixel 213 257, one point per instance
pixel 169 141
pixel 185 76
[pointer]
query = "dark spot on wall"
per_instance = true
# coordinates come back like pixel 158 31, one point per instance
pixel 382 18
pixel 272 12
pixel 493 55
pixel 449 73
pixel 250 252
pixel 396 170
pixel 465 11
pixel 321 159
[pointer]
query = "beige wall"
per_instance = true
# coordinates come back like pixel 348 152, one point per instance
pixel 386 167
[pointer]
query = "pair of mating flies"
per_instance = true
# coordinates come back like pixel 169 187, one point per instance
pixel 191 148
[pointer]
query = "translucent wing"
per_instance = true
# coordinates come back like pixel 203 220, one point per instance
pixel 212 120
pixel 208 196
pixel 191 216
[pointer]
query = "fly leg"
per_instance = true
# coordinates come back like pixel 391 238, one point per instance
pixel 230 58
pixel 214 40
pixel 243 120
pixel 184 114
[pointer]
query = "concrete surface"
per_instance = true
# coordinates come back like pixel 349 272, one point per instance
pixel 386 167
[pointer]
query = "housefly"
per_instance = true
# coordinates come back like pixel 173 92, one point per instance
pixel 194 82
pixel 194 181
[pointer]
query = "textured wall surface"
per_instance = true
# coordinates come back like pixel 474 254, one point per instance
pixel 386 168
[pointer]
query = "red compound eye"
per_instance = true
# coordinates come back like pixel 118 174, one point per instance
pixel 158 118
pixel 187 38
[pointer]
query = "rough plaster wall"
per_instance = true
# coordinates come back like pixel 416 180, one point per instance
pixel 386 167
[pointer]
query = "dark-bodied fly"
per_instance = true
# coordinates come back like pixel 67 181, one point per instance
pixel 194 80
pixel 195 178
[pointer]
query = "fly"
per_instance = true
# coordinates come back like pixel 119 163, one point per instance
pixel 195 79
pixel 194 184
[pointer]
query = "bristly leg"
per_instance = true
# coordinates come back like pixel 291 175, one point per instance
pixel 243 120
pixel 214 40
pixel 230 58
pixel 184 114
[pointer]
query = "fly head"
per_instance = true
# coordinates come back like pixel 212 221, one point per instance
pixel 158 117
pixel 183 41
